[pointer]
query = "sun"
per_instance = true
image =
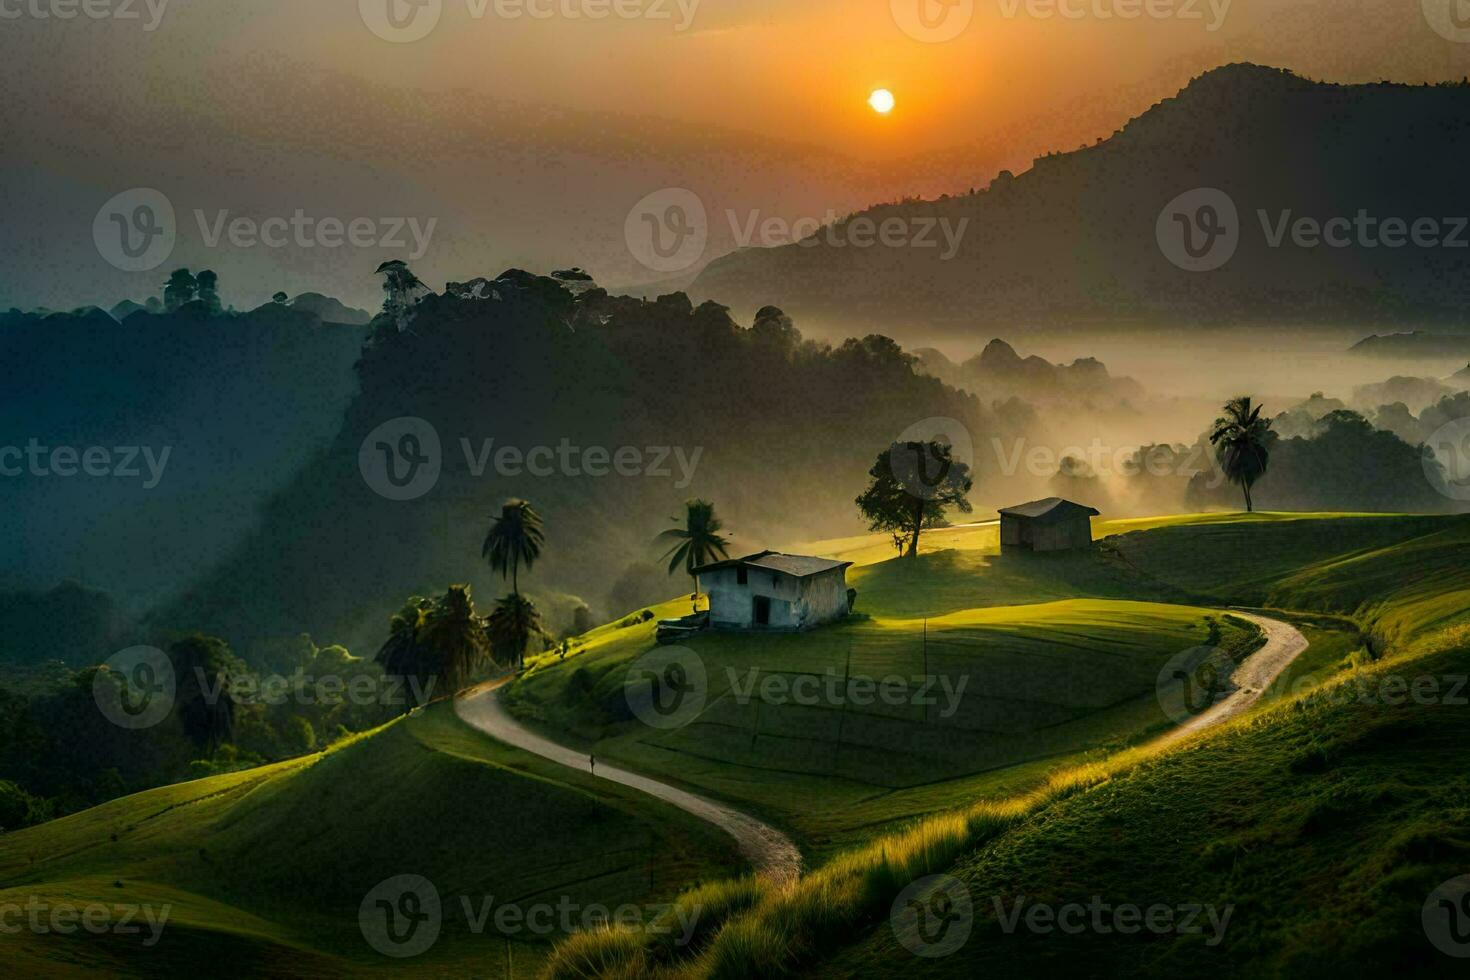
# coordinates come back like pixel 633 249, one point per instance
pixel 882 101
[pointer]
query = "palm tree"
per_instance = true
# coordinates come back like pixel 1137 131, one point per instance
pixel 516 536
pixel 510 629
pixel 699 541
pixel 1242 441
pixel 402 655
pixel 454 638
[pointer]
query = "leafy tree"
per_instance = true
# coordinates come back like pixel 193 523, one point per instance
pixel 280 299
pixel 699 541
pixel 208 283
pixel 516 536
pixel 454 638
pixel 1242 441
pixel 401 288
pixel 402 654
pixel 913 483
pixel 511 628
pixel 298 735
pixel 202 668
pixel 180 289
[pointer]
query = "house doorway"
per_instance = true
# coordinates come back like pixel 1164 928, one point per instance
pixel 762 611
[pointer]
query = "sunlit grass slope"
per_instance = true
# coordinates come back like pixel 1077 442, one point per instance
pixel 265 870
pixel 1323 820
pixel 1024 672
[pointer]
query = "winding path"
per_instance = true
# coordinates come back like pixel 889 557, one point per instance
pixel 773 854
pixel 1284 643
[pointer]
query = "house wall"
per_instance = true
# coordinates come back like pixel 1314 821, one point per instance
pixel 1017 533
pixel 795 603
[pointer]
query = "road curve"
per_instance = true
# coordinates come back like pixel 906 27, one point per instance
pixel 773 854
pixel 1284 643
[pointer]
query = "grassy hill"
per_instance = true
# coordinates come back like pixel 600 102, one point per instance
pixel 265 871
pixel 1321 822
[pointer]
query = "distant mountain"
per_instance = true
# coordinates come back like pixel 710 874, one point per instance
pixel 999 372
pixel 1078 236
pixel 331 310
pixel 1460 378
pixel 1418 344
pixel 1416 394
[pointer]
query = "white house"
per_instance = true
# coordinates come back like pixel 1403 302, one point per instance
pixel 771 591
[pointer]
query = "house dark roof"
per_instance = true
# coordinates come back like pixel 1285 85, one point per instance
pixel 1050 509
pixel 801 566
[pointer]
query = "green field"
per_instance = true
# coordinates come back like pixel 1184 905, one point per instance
pixel 1011 686
pixel 1322 820
pixel 1317 817
pixel 264 871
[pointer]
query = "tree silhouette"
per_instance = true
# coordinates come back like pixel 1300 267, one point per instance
pixel 699 541
pixel 510 629
pixel 912 485
pixel 180 289
pixel 515 537
pixel 1242 441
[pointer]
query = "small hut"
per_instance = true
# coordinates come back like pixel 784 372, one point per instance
pixel 1052 524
